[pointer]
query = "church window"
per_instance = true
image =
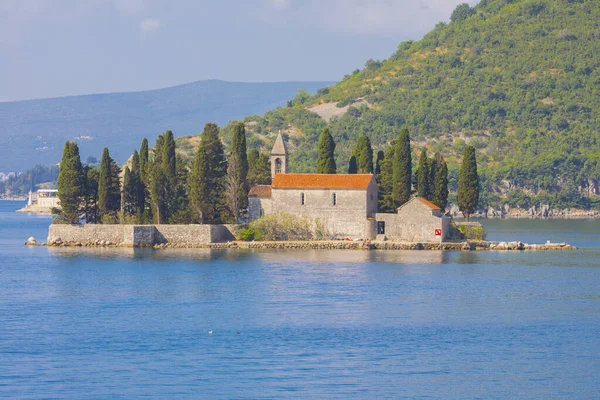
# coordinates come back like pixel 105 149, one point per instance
pixel 334 200
pixel 302 198
pixel 278 165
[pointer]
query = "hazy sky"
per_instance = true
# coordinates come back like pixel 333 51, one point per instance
pixel 52 48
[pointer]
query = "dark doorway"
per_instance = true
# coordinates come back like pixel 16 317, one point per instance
pixel 381 227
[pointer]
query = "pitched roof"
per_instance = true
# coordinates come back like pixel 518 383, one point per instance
pixel 260 191
pixel 322 181
pixel 279 148
pixel 423 201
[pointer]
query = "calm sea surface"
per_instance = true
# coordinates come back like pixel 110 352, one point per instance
pixel 126 324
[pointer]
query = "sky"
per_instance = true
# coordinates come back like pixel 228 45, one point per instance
pixel 52 48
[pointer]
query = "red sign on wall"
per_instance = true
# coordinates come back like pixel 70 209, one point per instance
pixel 438 232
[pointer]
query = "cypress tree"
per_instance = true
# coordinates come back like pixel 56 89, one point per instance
pixel 326 159
pixel 109 191
pixel 468 183
pixel 440 182
pixel 380 158
pixel 129 194
pixel 140 192
pixel 385 180
pixel 423 175
pixel 364 155
pixel 156 181
pixel 259 168
pixel 145 214
pixel 182 213
pixel 163 179
pixel 91 195
pixel 169 169
pixel 238 171
pixel 70 183
pixel 352 166
pixel 144 161
pixel 207 178
pixel 402 169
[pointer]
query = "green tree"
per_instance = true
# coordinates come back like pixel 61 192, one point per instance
pixel 91 195
pixel 468 183
pixel 402 169
pixel 70 183
pixel 163 179
pixel 461 12
pixel 139 187
pixel 144 161
pixel 259 168
pixel 423 176
pixel 326 159
pixel 352 166
pixel 207 179
pixel 385 181
pixel 145 215
pixel 440 182
pixel 129 194
pixel 237 181
pixel 364 155
pixel 379 162
pixel 109 190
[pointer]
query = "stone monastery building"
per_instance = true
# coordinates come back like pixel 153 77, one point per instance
pixel 345 203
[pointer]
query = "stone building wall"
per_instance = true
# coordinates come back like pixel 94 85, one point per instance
pixel 348 217
pixel 255 204
pixel 48 202
pixel 415 223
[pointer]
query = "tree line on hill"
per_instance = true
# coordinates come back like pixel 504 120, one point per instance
pixel 160 187
pixel 20 184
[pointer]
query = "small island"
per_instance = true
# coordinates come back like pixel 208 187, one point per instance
pixel 213 206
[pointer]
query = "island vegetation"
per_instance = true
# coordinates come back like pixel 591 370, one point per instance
pixel 160 187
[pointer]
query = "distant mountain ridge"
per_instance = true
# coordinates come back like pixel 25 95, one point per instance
pixel 34 131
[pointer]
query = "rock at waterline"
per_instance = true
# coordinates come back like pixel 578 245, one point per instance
pixel 31 241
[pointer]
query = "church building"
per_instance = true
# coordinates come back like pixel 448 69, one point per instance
pixel 346 204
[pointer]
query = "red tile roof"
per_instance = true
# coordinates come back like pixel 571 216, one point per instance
pixel 428 203
pixel 322 181
pixel 260 191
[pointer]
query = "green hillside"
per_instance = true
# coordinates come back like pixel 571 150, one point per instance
pixel 518 79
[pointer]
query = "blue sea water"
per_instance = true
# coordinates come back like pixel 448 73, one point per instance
pixel 125 324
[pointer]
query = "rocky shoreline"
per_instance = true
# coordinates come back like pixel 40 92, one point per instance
pixel 541 212
pixel 331 245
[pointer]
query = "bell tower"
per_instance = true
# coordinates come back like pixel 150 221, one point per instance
pixel 278 157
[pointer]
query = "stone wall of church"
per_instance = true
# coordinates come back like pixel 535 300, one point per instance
pixel 256 204
pixel 346 218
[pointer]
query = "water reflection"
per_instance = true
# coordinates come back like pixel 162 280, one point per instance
pixel 274 256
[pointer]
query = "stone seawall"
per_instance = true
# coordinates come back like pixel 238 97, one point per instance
pixel 221 237
pixel 138 235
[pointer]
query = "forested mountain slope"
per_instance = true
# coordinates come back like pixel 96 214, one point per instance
pixel 34 132
pixel 518 79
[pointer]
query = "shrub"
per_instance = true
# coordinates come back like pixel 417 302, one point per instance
pixel 249 234
pixel 472 231
pixel 284 226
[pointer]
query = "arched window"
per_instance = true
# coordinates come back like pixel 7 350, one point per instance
pixel 278 165
pixel 302 198
pixel 334 199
